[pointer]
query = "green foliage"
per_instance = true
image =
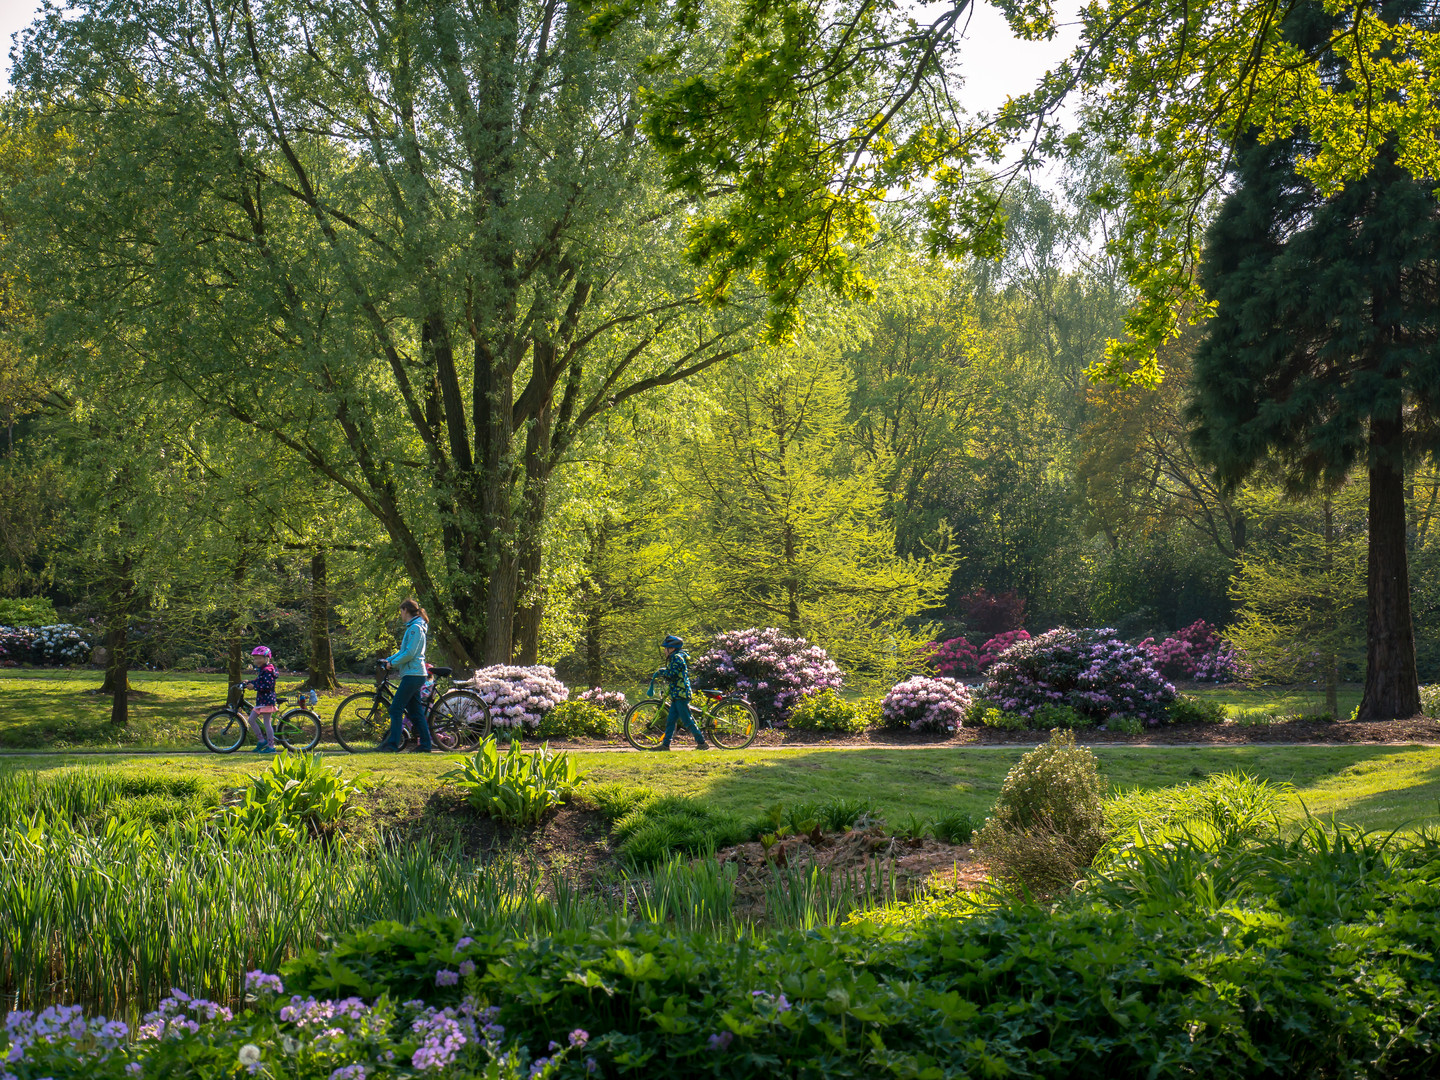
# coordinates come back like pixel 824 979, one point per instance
pixel 956 827
pixel 1125 725
pixel 1228 804
pixel 91 797
pixel 1430 699
pixel 673 824
pixel 27 611
pixel 517 787
pixel 1112 980
pixel 1049 717
pixel 1048 822
pixel 614 800
pixel 1260 717
pixel 297 795
pixel 577 719
pixel 1188 709
pixel 990 716
pixel 827 711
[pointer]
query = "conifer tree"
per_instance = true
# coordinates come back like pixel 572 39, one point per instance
pixel 1322 353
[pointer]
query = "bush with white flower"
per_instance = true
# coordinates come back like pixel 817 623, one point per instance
pixel 609 700
pixel 770 670
pixel 921 703
pixel 518 697
pixel 62 643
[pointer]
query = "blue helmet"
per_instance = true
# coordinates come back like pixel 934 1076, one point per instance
pixel 672 642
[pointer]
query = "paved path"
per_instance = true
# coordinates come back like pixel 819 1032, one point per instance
pixel 240 755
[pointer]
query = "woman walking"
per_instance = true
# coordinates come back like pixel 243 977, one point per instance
pixel 409 663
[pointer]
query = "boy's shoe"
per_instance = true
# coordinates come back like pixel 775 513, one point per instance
pixel 426 749
pixel 702 746
pixel 662 746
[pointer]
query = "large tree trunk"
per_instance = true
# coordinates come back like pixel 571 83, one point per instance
pixel 232 669
pixel 1392 688
pixel 594 608
pixel 117 642
pixel 530 589
pixel 120 681
pixel 322 659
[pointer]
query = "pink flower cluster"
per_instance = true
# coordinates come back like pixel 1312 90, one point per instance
pixel 1197 652
pixel 924 704
pixel 770 670
pixel 957 657
pixel 1092 671
pixel 997 646
pixel 609 700
pixel 518 696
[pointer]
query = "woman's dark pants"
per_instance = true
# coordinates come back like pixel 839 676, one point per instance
pixel 407 699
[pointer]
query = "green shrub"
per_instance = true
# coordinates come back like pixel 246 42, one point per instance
pixel 516 787
pixel 1430 699
pixel 1125 725
pixel 911 827
pixel 1049 821
pixel 827 711
pixel 990 716
pixel 956 827
pixel 1254 717
pixel 1185 962
pixel 675 824
pixel 1229 804
pixel 1050 717
pixel 1188 709
pixel 614 800
pixel 296 795
pixel 27 611
pixel 840 814
pixel 870 713
pixel 575 719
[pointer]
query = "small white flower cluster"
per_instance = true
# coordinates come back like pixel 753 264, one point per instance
pixel 62 643
pixel 518 696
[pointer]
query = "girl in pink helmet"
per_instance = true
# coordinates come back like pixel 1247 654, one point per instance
pixel 264 686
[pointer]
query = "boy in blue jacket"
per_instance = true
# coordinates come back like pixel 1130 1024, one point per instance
pixel 676 672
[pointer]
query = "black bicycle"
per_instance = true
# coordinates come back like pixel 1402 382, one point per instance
pixel 297 728
pixel 458 718
pixel 728 720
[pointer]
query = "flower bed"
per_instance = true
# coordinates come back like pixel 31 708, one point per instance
pixel 924 704
pixel 609 700
pixel 50 646
pixel 773 672
pixel 1197 652
pixel 1091 671
pixel 518 697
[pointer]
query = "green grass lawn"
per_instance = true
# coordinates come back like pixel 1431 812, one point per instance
pixel 1281 700
pixel 1379 787
pixel 56 709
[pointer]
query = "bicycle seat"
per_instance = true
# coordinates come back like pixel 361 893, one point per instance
pixel 440 672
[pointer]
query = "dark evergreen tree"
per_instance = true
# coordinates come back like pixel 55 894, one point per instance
pixel 1323 350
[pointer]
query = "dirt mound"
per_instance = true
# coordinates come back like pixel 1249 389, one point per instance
pixel 861 860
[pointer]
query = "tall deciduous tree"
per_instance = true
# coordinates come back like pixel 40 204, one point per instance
pixel 419 245
pixel 1325 350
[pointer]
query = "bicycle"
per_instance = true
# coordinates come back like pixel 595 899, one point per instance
pixel 297 728
pixel 727 720
pixel 458 718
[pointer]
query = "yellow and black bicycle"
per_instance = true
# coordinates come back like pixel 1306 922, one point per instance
pixel 727 720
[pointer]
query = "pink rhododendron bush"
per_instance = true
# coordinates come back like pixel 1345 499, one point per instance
pixel 995 648
pixel 518 696
pixel 924 704
pixel 1091 671
pixel 772 671
pixel 1197 652
pixel 954 658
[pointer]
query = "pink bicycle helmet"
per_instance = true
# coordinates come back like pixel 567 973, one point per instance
pixel 260 651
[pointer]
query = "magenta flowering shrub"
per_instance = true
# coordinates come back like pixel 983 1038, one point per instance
pixel 609 700
pixel 773 672
pixel 1197 652
pixel 324 1039
pixel 996 646
pixel 954 657
pixel 1091 671
pixel 924 704
pixel 518 696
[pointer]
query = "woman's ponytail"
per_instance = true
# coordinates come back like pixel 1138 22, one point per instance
pixel 413 608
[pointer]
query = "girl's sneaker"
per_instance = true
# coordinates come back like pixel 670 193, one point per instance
pixel 266 748
pixel 261 747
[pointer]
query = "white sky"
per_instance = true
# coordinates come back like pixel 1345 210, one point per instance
pixel 995 65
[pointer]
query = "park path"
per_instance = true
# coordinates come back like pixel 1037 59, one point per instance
pixel 802 748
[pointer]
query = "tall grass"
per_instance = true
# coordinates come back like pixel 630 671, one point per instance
pixel 102 906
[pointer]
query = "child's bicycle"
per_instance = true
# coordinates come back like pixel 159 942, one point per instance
pixel 458 718
pixel 297 728
pixel 728 720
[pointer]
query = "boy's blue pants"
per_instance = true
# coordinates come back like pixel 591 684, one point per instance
pixel 680 710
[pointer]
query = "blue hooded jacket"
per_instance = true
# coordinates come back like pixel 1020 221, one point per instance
pixel 410 660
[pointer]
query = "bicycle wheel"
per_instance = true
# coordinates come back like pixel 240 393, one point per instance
pixel 734 724
pixel 222 732
pixel 459 719
pixel 298 730
pixel 645 724
pixel 361 721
